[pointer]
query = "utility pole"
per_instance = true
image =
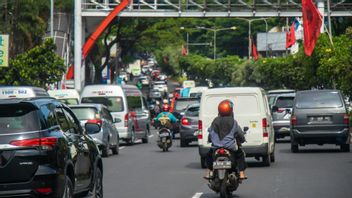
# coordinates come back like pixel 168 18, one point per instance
pixel 52 19
pixel 78 44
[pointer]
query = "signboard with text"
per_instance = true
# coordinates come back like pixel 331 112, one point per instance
pixel 4 50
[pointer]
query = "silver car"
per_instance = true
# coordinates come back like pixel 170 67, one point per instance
pixel 107 138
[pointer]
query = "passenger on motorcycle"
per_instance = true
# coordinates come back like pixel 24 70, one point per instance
pixel 226 133
pixel 165 113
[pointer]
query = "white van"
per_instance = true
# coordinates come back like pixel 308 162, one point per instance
pixel 114 97
pixel 196 92
pixel 67 96
pixel 251 110
pixel 8 92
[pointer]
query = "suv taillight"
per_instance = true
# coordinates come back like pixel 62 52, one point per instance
pixel 126 120
pixel 96 121
pixel 45 143
pixel 346 119
pixel 200 127
pixel 185 121
pixel 265 125
pixel 293 120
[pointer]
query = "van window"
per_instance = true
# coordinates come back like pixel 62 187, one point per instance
pixel 114 104
pixel 312 100
pixel 16 118
pixel 284 102
pixel 69 101
pixel 243 104
pixel 134 102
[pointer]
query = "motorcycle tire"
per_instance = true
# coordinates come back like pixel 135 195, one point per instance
pixel 224 192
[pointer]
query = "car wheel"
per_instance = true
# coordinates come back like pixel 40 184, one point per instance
pixel 68 190
pixel 202 162
pixel 115 149
pixel 97 189
pixel 145 140
pixel 104 151
pixel 183 142
pixel 272 157
pixel 345 148
pixel 294 148
pixel 266 160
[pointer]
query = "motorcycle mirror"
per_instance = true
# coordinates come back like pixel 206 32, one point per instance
pixel 245 129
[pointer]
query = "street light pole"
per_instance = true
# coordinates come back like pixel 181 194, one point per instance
pixel 52 18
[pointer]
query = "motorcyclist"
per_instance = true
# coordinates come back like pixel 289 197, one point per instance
pixel 225 132
pixel 165 113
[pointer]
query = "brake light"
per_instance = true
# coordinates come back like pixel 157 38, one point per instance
pixel 221 151
pixel 45 143
pixel 185 121
pixel 200 135
pixel 126 120
pixel 265 125
pixel 346 119
pixel 200 125
pixel 96 121
pixel 293 120
pixel 44 190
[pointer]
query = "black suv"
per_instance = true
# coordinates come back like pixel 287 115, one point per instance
pixel 44 152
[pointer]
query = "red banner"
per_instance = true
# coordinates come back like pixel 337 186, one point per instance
pixel 312 21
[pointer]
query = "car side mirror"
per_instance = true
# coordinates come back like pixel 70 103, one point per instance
pixel 274 109
pixel 92 128
pixel 117 120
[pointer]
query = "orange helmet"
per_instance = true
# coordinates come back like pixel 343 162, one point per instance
pixel 166 107
pixel 225 108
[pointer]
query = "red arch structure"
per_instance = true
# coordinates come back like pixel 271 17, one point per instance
pixel 96 34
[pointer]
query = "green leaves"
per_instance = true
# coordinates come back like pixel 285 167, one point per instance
pixel 39 66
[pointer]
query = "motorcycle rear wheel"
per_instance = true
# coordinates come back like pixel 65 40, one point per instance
pixel 224 192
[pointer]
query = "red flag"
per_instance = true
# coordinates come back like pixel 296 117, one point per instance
pixel 184 51
pixel 254 51
pixel 70 72
pixel 312 21
pixel 291 38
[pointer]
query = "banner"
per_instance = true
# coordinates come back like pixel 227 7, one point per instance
pixel 4 50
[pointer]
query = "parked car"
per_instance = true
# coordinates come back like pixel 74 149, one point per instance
pixel 272 94
pixel 161 86
pixel 319 117
pixel 281 113
pixel 189 125
pixel 44 152
pixel 67 96
pixel 108 137
pixel 251 110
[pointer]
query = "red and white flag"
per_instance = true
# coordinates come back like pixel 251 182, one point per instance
pixel 254 51
pixel 312 21
pixel 291 37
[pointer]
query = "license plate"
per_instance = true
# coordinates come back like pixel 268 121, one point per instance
pixel 164 135
pixel 222 165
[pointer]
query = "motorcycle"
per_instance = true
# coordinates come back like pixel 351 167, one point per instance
pixel 225 178
pixel 165 135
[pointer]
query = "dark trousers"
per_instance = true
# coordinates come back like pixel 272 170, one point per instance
pixel 237 157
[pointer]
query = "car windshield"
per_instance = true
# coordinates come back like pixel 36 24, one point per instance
pixel 284 102
pixel 311 100
pixel 183 104
pixel 16 118
pixel 85 113
pixel 114 104
pixel 69 101
pixel 192 111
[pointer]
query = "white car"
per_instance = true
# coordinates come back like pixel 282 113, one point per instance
pixel 160 85
pixel 251 110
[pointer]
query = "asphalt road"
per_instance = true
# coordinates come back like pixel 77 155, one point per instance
pixel 143 170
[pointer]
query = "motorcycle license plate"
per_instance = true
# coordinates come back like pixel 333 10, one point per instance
pixel 164 135
pixel 222 165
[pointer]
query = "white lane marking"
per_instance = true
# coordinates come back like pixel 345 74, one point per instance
pixel 197 195
pixel 150 136
pixel 121 147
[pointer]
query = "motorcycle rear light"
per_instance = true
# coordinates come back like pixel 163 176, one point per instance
pixel 96 121
pixel 346 119
pixel 45 191
pixel 126 120
pixel 200 123
pixel 185 121
pixel 293 120
pixel 45 143
pixel 221 151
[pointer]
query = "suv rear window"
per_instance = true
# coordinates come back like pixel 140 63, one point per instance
pixel 16 118
pixel 85 113
pixel 114 104
pixel 183 104
pixel 284 102
pixel 311 100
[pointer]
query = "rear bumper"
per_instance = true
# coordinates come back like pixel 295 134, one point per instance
pixel 187 133
pixel 44 178
pixel 282 128
pixel 321 137
pixel 260 150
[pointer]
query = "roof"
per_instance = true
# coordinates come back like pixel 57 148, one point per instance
pixel 319 90
pixel 88 105
pixel 233 90
pixel 37 101
pixel 278 91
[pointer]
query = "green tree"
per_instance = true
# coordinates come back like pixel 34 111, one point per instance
pixel 38 66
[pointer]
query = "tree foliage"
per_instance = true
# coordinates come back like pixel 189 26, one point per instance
pixel 38 66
